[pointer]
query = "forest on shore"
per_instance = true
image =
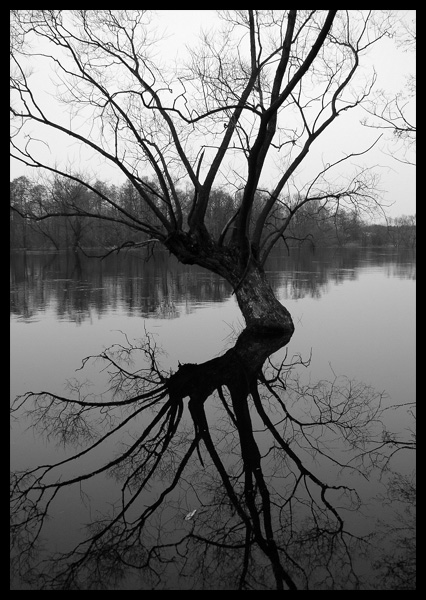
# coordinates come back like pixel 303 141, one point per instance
pixel 314 224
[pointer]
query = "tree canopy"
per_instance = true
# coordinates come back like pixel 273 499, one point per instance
pixel 262 89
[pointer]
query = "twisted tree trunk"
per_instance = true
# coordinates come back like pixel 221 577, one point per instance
pixel 261 309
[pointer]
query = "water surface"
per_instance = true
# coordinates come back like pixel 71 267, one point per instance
pixel 353 309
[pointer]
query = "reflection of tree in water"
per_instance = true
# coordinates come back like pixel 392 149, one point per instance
pixel 78 286
pixel 218 493
pixel 396 567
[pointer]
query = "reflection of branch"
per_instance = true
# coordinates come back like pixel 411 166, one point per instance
pixel 395 568
pixel 255 507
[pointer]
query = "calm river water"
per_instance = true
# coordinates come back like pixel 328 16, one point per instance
pixel 353 309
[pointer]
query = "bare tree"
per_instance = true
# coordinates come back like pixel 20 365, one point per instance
pixel 395 114
pixel 267 86
pixel 391 115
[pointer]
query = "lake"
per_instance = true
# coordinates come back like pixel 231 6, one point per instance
pixel 354 316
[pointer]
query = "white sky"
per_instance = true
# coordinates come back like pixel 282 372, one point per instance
pixel 392 66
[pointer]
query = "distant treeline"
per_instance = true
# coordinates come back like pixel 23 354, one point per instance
pixel 69 227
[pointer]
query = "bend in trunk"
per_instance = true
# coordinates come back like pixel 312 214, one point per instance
pixel 261 309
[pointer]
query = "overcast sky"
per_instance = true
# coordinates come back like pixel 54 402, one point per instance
pixel 392 66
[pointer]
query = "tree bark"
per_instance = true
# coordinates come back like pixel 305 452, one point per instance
pixel 261 309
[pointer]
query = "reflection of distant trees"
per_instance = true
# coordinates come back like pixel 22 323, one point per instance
pixel 77 285
pixel 308 272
